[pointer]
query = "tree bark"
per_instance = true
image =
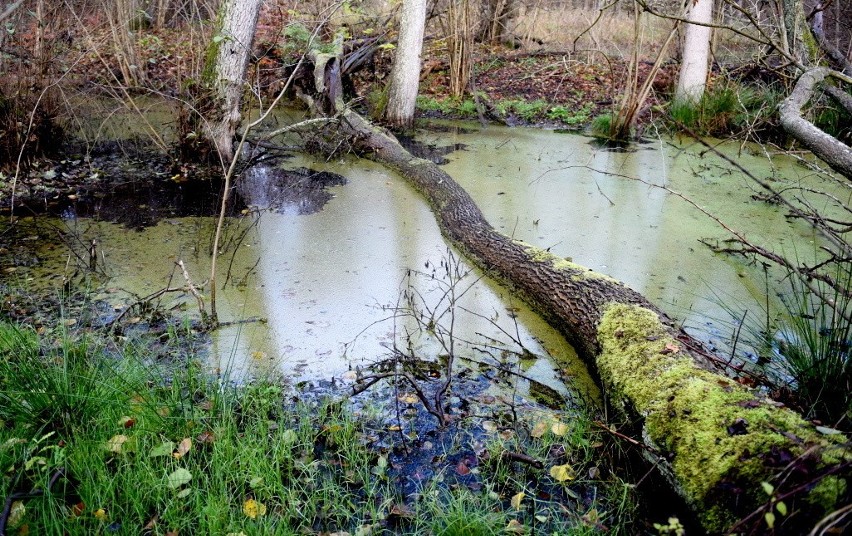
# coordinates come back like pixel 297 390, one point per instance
pixel 696 52
pixel 832 151
pixel 405 76
pixel 716 440
pixel 225 72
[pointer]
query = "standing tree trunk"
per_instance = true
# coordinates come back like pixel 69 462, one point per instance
pixel 799 41
pixel 225 72
pixel 405 76
pixel 696 52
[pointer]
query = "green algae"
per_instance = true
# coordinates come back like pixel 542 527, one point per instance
pixel 715 432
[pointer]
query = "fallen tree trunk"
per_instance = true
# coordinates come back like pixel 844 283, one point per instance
pixel 832 151
pixel 718 440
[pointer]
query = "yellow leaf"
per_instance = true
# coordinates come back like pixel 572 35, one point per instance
pixel 253 508
pixel 101 514
pixel 183 448
pixel 539 429
pixel 517 499
pixel 559 428
pixel 16 514
pixel 515 527
pixel 115 443
pixel 408 398
pixel 561 473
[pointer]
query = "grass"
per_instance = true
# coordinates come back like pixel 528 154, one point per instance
pixel 730 108
pixel 528 111
pixel 135 441
pixel 815 345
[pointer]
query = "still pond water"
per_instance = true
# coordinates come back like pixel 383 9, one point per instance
pixel 332 285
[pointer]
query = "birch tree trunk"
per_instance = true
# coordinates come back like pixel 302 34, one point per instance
pixel 696 52
pixel 225 73
pixel 405 76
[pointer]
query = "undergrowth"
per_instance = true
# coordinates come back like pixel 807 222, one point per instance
pixel 730 108
pixel 121 441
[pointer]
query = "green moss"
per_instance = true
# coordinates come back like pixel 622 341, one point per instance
pixel 715 432
pixel 579 272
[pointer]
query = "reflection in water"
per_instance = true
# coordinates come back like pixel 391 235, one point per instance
pixel 559 192
pixel 328 281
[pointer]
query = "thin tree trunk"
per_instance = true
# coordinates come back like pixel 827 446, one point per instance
pixel 229 53
pixel 405 76
pixel 696 52
pixel 460 41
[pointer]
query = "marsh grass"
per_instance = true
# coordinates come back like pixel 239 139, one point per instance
pixel 151 445
pixel 727 107
pixel 815 343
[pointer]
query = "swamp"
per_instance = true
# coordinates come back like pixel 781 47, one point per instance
pixel 249 287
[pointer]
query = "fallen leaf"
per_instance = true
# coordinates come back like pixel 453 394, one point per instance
pixel 184 493
pixel 152 523
pixel 671 348
pixel 178 478
pixel 255 482
pixel 517 499
pixel 827 431
pixel 100 514
pixel 559 428
pixel 253 508
pixel 78 509
pixel 183 448
pixel 489 426
pixel 115 443
pixel 462 468
pixel 165 449
pixel 16 514
pixel 561 473
pixel 207 437
pixel 365 530
pixel 515 527
pixel 127 422
pixel 506 435
pixel 402 511
pixel 539 429
pixel 408 398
